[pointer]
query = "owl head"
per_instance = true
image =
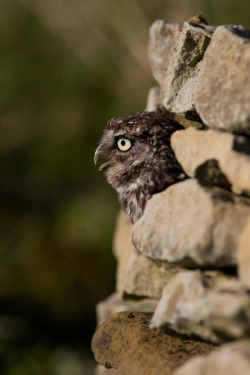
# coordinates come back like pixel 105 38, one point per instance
pixel 139 159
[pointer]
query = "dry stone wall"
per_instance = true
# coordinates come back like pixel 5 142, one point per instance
pixel 183 269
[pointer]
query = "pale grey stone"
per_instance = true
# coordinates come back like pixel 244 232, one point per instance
pixel 189 224
pixel 137 275
pixel 162 41
pixel 194 149
pixel 229 359
pixel 223 91
pixel 182 75
pixel 154 99
pixel 146 277
pixel 115 303
pixel 211 306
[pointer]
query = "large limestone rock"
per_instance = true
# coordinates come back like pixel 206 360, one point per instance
pixel 223 91
pixel 230 359
pixel 137 275
pixel 218 157
pixel 189 224
pixel 115 303
pixel 175 54
pixel 182 75
pixel 126 343
pixel 210 306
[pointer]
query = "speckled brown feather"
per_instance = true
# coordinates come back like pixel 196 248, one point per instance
pixel 148 167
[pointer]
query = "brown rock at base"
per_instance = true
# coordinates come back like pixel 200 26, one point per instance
pixel 125 342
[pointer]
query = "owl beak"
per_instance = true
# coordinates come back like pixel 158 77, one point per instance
pixel 97 155
pixel 100 154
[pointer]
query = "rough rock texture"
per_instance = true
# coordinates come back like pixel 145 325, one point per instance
pixel 231 359
pixel 223 90
pixel 203 154
pixel 115 303
pixel 162 41
pixel 183 69
pixel 190 224
pixel 211 306
pixel 126 343
pixel 244 257
pixel 138 275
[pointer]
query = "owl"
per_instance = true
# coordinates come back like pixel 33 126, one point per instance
pixel 139 159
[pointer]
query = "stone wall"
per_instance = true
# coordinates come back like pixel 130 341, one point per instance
pixel 183 282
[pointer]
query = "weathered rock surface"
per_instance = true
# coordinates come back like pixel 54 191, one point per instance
pixel 145 277
pixel 138 275
pixel 126 343
pixel 162 41
pixel 223 91
pixel 115 303
pixel 189 224
pixel 210 305
pixel 182 75
pixel 217 157
pixel 244 257
pixel 230 359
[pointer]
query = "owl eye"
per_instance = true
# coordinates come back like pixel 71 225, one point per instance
pixel 124 144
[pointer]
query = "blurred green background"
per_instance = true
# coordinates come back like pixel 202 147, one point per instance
pixel 66 67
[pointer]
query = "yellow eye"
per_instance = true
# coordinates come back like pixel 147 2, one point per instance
pixel 124 144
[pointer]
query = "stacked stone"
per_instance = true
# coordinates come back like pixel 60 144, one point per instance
pixel 189 259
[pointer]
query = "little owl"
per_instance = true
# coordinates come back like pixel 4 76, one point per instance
pixel 140 160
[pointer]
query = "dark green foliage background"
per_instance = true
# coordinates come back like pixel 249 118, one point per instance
pixel 66 67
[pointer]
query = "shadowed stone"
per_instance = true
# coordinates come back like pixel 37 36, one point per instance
pixel 194 150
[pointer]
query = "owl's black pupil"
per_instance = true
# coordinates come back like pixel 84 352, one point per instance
pixel 123 143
